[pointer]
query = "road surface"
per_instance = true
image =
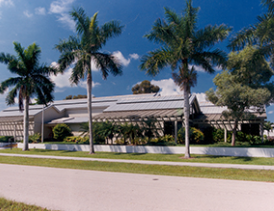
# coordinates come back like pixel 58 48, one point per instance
pixel 67 189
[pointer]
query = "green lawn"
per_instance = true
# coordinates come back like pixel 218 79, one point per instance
pixel 216 173
pixel 8 205
pixel 149 156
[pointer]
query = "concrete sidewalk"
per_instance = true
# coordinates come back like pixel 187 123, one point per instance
pixel 206 165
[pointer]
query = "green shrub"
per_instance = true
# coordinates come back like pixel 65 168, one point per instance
pixel 196 136
pixel 60 131
pixel 166 140
pixel 6 138
pixel 77 139
pixel 35 138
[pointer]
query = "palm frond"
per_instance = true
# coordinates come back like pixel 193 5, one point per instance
pixel 265 30
pixel 209 59
pixel 71 44
pixel 81 19
pixel 190 18
pixel 108 63
pixel 32 55
pixel 8 83
pixel 210 35
pixel 269 4
pixel 242 38
pixel 161 33
pixel 6 58
pixel 10 98
pixel 110 29
pixel 66 59
pixel 79 71
pixel 155 61
pixel 172 17
pixel 19 50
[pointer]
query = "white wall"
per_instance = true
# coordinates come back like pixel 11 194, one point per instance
pixel 218 151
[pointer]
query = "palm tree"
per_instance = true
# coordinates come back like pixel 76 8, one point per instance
pixel 183 45
pixel 108 130
pixel 84 50
pixel 32 79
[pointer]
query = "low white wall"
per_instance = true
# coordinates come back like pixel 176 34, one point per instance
pixel 219 151
pixel 4 144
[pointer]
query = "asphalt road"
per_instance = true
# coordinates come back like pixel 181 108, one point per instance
pixel 66 189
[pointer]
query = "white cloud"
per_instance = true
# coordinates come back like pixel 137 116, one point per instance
pixel 3 104
pixel 83 84
pixel 199 68
pixel 167 87
pixel 28 14
pixel 134 56
pixel 67 21
pixel 125 62
pixel 270 112
pixel 201 97
pixel 62 80
pixel 6 3
pixel 40 11
pixel 61 8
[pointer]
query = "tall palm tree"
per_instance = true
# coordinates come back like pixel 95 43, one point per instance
pixel 32 79
pixel 84 50
pixel 183 45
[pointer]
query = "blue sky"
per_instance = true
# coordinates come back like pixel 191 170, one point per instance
pixel 47 21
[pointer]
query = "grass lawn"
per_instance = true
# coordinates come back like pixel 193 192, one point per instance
pixel 8 205
pixel 149 156
pixel 216 173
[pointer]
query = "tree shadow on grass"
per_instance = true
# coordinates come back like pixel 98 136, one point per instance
pixel 133 154
pixel 245 159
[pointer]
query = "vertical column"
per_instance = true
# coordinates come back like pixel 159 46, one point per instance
pixel 225 138
pixel 14 132
pixel 176 130
pixel 262 131
pixel 42 125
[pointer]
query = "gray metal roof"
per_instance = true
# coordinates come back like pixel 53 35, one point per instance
pixel 136 115
pixel 149 103
pixel 69 120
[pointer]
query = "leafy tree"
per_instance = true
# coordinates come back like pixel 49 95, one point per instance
pixel 182 47
pixel 268 127
pixel 33 79
pixel 69 97
pixel 85 51
pixel 260 34
pixel 238 98
pixel 246 85
pixel 145 87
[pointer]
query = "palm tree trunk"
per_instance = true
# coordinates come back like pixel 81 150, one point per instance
pixel 89 91
pixel 186 118
pixel 26 124
pixel 234 133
